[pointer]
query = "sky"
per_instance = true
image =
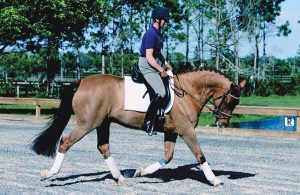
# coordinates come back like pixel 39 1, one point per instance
pixel 284 47
pixel 280 47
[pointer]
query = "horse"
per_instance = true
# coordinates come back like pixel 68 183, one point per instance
pixel 98 100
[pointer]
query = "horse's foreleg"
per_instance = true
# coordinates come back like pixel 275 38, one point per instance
pixel 169 145
pixel 103 147
pixel 65 143
pixel 46 174
pixel 190 139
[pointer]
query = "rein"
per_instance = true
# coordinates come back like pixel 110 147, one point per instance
pixel 180 92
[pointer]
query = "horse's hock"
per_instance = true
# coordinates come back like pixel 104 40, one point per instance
pixel 250 110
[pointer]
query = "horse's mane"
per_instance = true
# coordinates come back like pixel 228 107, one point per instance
pixel 205 69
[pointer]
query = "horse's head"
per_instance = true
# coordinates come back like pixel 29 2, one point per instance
pixel 225 101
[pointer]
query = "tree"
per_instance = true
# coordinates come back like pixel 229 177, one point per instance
pixel 14 24
pixel 265 12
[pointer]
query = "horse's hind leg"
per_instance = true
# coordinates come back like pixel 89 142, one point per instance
pixel 169 145
pixel 103 147
pixel 65 143
pixel 190 139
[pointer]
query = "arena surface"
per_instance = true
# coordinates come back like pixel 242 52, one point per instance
pixel 246 164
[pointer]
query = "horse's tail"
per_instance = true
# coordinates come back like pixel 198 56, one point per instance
pixel 45 143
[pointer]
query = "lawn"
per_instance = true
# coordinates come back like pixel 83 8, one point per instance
pixel 272 101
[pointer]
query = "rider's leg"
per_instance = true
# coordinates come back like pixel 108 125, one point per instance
pixel 153 81
pixel 151 113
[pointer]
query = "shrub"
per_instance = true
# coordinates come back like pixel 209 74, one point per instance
pixel 263 88
pixel 296 83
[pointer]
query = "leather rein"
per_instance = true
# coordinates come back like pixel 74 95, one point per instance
pixel 180 92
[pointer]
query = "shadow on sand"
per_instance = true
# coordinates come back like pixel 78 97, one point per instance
pixel 191 171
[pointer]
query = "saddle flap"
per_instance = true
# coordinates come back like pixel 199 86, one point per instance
pixel 136 100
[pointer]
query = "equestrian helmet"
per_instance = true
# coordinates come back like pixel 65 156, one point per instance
pixel 161 13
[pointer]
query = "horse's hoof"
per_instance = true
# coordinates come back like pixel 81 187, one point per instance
pixel 217 182
pixel 138 172
pixel 46 174
pixel 121 181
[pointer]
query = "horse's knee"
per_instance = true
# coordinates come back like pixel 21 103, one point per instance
pixel 104 150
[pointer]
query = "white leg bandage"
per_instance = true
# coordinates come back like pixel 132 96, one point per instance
pixel 57 163
pixel 210 176
pixel 113 167
pixel 154 167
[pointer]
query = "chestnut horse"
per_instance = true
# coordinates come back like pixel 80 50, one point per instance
pixel 98 100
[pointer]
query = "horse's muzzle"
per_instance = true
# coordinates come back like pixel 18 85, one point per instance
pixel 221 124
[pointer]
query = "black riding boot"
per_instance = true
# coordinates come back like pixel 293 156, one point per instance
pixel 150 115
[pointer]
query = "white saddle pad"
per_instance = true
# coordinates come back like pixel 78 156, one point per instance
pixel 134 93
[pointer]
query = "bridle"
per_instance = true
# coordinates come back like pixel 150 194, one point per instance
pixel 217 112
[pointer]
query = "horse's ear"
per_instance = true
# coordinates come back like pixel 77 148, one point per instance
pixel 242 84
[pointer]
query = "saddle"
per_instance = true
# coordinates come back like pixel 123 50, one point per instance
pixel 137 76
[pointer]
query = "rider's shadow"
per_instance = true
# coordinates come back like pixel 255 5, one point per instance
pixel 165 175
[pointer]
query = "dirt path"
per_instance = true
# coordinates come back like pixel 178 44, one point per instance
pixel 246 164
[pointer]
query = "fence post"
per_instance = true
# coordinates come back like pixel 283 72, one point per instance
pixel 37 111
pixel 18 91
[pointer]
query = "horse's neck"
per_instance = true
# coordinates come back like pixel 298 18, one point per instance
pixel 205 83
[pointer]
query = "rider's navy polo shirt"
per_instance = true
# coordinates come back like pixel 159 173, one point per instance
pixel 152 40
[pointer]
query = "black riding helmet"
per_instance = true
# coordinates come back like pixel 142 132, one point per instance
pixel 161 13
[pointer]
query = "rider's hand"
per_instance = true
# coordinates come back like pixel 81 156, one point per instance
pixel 163 73
pixel 168 66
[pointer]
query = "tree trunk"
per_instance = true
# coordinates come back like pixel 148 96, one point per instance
pixel 236 58
pixel 256 58
pixel 201 37
pixel 122 62
pixel 187 44
pixel 187 36
pixel 103 64
pixel 218 15
pixel 78 63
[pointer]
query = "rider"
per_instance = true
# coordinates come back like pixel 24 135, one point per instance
pixel 151 63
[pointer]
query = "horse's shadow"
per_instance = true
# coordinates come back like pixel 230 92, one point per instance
pixel 193 172
pixel 165 175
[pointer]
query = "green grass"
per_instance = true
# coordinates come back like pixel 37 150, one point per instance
pixel 272 101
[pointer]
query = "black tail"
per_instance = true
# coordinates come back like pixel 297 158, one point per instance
pixel 45 143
